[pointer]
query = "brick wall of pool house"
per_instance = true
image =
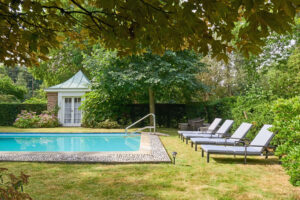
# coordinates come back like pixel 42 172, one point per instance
pixel 52 100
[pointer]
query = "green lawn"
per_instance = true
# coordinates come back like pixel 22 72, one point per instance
pixel 191 178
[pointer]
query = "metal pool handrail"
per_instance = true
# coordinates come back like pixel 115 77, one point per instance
pixel 150 127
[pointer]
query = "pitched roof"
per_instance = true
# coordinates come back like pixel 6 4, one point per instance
pixel 78 81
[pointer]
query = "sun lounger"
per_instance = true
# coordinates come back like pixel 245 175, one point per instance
pixel 213 126
pixel 239 134
pixel 221 132
pixel 258 146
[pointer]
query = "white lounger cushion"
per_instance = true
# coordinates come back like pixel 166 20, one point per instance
pixel 242 130
pixel 239 133
pixel 193 132
pixel 225 127
pixel 214 124
pixel 222 131
pixel 204 135
pixel 212 141
pixel 263 138
pixel 210 129
pixel 230 149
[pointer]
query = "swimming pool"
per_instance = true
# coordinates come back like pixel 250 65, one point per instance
pixel 69 142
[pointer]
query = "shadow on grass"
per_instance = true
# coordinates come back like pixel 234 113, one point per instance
pixel 250 161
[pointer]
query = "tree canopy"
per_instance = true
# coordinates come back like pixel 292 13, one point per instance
pixel 64 63
pixel 172 76
pixel 145 78
pixel 30 28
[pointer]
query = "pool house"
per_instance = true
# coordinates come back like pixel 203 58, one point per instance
pixel 68 97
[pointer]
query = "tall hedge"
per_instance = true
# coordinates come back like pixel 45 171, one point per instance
pixel 169 115
pixel 9 111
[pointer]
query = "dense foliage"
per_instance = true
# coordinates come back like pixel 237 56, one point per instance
pixel 253 107
pixel 9 111
pixel 39 97
pixel 7 87
pixel 108 124
pixel 287 123
pixel 64 63
pixel 36 100
pixel 121 81
pixel 20 81
pixel 132 26
pixel 11 186
pixel 258 83
pixel 31 120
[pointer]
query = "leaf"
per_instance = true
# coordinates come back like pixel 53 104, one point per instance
pixel 44 49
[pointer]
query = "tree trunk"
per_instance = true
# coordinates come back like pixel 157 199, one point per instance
pixel 151 104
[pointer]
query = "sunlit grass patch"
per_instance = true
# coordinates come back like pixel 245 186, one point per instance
pixel 225 177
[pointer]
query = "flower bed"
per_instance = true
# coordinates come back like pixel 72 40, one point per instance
pixel 32 120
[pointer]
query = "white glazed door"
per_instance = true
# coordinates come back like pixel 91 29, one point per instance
pixel 72 114
pixel 77 112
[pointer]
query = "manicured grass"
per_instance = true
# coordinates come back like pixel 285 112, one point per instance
pixel 224 177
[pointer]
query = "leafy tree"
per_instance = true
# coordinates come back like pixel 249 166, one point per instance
pixel 268 71
pixel 64 63
pixel 117 81
pixel 222 79
pixel 22 77
pixel 286 82
pixel 253 107
pixel 30 28
pixel 7 87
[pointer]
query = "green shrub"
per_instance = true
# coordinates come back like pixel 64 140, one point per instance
pixel 31 120
pixel 35 100
pixel 221 108
pixel 39 97
pixel 108 124
pixel 27 120
pixel 9 111
pixel 254 107
pixel 48 120
pixel 8 98
pixel 287 123
pixel 291 162
pixel 8 87
pixel 98 108
pixel 210 109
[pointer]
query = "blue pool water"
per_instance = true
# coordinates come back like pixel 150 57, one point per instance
pixel 72 142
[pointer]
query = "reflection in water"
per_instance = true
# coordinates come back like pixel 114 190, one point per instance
pixel 69 143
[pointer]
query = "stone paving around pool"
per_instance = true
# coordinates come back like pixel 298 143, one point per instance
pixel 151 151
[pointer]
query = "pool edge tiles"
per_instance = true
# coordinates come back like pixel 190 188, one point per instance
pixel 151 150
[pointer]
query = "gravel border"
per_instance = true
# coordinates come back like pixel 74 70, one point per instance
pixel 151 151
